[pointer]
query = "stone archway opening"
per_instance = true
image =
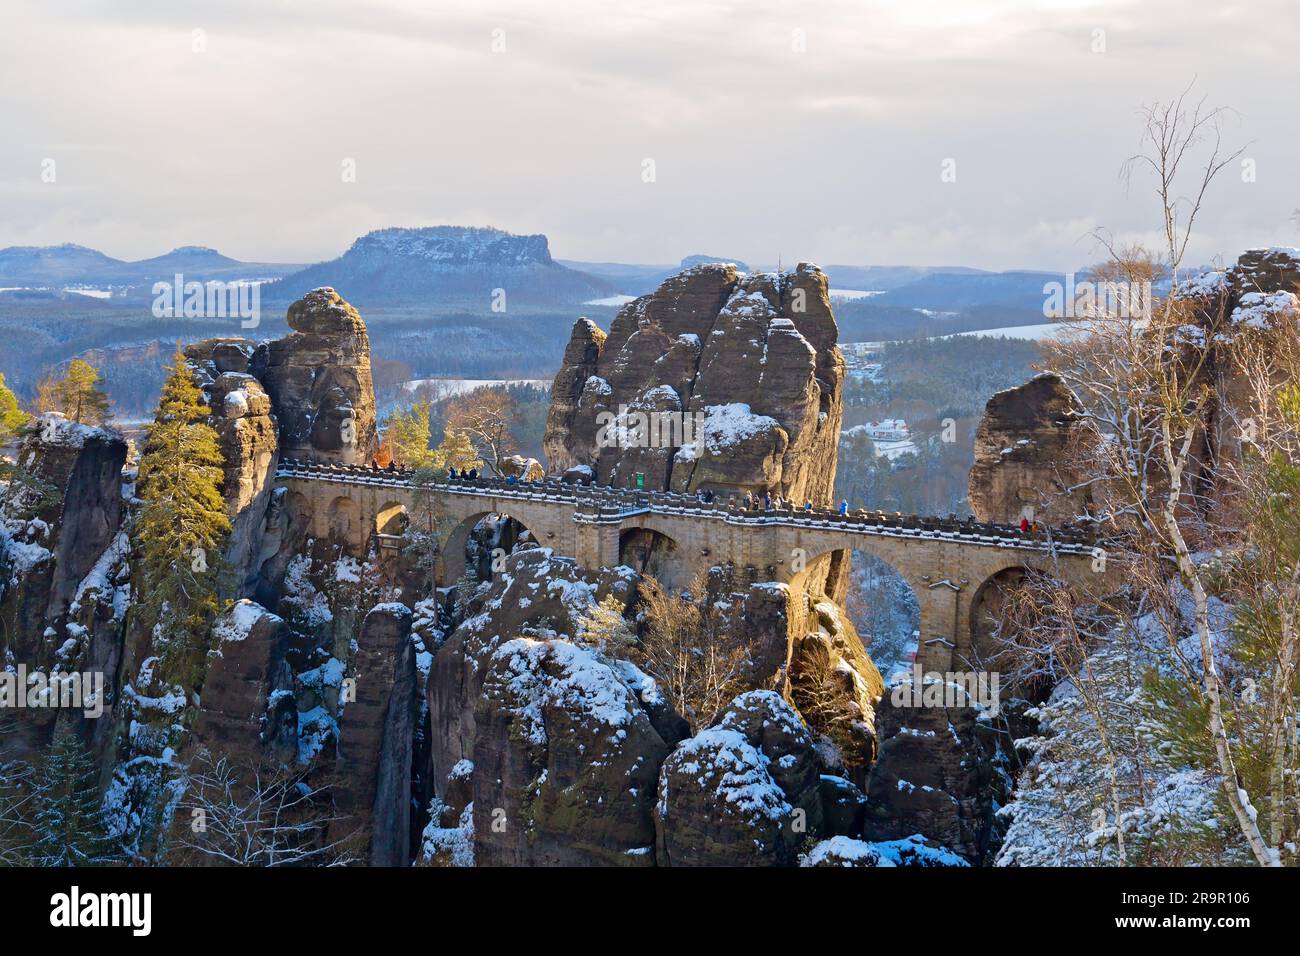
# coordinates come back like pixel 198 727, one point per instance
pixel 392 520
pixel 884 610
pixel 479 543
pixel 986 641
pixel 653 553
pixel 344 520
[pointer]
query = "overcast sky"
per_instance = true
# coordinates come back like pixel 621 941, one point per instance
pixel 796 130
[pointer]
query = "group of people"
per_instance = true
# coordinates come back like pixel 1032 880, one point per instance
pixel 769 502
pixel 465 474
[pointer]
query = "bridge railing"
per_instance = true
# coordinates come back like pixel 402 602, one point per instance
pixel 601 503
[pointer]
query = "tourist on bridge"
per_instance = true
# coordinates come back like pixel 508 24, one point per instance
pixel 767 502
pixel 451 473
pixel 844 508
pixel 473 474
pixel 807 505
pixel 1024 525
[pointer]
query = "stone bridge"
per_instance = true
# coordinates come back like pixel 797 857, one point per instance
pixel 951 565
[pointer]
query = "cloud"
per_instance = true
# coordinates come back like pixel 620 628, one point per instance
pixel 806 130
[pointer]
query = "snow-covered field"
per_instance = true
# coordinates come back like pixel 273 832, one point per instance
pixel 462 386
pixel 1035 333
pixel 851 294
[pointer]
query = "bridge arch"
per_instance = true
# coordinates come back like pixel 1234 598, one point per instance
pixel 343 520
pixel 653 551
pixel 392 519
pixel 838 563
pixel 455 547
pixel 987 605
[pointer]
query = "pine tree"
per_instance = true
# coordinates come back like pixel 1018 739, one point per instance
pixel 77 395
pixel 64 812
pixel 182 526
pixel 604 626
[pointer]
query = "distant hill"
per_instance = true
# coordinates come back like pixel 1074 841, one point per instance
pixel 957 291
pixel 54 265
pixel 68 265
pixel 446 265
pixel 635 279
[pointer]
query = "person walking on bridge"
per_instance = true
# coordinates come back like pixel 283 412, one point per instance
pixel 807 505
pixel 844 508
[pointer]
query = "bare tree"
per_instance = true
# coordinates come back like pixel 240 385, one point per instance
pixel 16 797
pixel 689 646
pixel 1154 399
pixel 486 416
pixel 258 816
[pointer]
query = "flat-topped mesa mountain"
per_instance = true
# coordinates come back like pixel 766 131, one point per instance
pixel 464 265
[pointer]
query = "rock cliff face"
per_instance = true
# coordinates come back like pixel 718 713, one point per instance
pixel 1256 296
pixel 319 381
pixel 936 774
pixel 61 561
pixel 1024 455
pixel 743 792
pixel 753 359
pixel 376 732
pixel 247 432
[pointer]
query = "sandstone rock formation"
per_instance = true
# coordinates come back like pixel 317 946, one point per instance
pixel 754 358
pixel 375 736
pixel 744 792
pixel 247 433
pixel 935 774
pixel 61 563
pixel 248 644
pixel 1025 452
pixel 319 381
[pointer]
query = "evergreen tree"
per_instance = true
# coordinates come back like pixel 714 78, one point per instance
pixel 407 437
pixel 12 417
pixel 77 395
pixel 182 526
pixel 68 829
pixel 604 626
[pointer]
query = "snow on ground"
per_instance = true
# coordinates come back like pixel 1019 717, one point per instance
pixel 910 851
pixel 612 300
pixel 239 622
pixel 462 386
pixel 850 294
